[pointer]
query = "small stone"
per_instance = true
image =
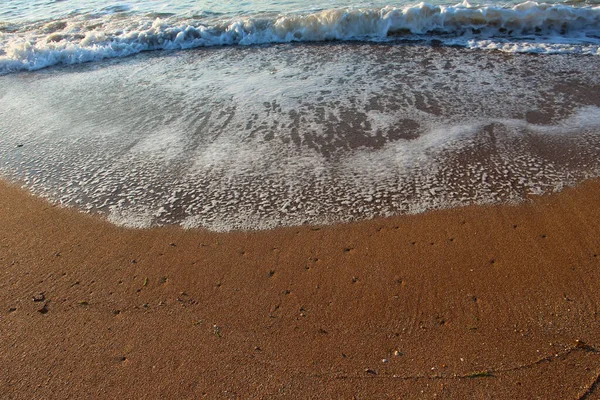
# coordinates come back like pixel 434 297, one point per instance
pixel 371 371
pixel 385 360
pixel 39 297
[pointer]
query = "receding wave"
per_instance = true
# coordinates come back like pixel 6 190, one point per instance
pixel 526 27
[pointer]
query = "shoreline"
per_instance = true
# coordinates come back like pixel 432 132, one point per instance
pixel 314 136
pixel 495 301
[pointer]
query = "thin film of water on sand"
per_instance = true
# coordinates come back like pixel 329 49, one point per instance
pixel 258 137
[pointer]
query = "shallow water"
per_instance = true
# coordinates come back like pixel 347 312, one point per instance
pixel 258 137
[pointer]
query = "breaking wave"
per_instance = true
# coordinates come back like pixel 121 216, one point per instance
pixel 525 27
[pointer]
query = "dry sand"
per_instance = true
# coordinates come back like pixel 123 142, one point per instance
pixel 481 302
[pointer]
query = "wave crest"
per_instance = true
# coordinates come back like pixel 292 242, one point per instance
pixel 542 27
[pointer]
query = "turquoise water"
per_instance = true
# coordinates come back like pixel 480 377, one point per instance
pixel 28 10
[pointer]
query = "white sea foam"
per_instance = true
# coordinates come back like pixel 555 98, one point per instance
pixel 238 138
pixel 525 27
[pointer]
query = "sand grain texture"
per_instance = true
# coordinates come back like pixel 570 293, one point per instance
pixel 479 302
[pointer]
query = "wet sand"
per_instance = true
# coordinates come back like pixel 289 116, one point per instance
pixel 478 302
pixel 261 137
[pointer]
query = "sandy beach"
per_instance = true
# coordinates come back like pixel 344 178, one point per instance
pixel 478 302
pixel 299 199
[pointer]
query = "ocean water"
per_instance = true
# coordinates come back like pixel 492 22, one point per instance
pixel 252 115
pixel 38 34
